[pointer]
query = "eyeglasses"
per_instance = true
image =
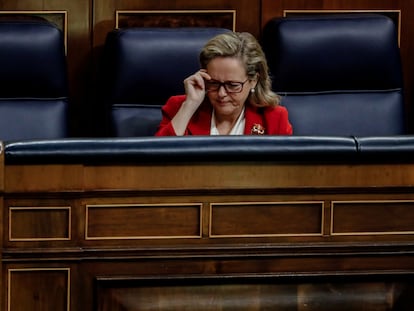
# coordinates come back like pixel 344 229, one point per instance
pixel 229 86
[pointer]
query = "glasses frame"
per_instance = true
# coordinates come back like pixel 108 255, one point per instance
pixel 225 84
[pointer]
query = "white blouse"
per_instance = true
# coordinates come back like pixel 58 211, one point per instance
pixel 238 128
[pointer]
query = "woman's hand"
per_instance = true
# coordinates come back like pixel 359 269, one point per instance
pixel 195 92
pixel 195 88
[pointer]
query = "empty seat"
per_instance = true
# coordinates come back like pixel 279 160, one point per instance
pixel 338 74
pixel 33 79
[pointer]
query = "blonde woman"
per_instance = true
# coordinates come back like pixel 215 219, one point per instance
pixel 230 95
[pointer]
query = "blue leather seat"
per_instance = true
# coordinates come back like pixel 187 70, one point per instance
pixel 338 74
pixel 143 67
pixel 33 79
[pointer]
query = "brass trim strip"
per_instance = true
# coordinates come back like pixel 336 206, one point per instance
pixel 19 208
pixel 332 233
pixel 10 271
pixel 199 205
pixel 322 203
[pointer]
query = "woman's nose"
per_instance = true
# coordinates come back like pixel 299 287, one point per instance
pixel 222 91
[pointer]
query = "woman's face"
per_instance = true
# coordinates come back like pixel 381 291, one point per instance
pixel 231 71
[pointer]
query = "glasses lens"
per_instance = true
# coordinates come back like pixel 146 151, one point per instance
pixel 212 85
pixel 231 87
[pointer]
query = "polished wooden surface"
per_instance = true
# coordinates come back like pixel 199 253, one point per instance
pixel 98 235
pixel 260 175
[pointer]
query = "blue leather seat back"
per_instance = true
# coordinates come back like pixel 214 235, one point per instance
pixel 143 68
pixel 346 114
pixel 338 74
pixel 33 79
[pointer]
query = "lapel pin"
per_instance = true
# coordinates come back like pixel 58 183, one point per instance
pixel 257 129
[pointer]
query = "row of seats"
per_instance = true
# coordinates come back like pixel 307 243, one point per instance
pixel 339 75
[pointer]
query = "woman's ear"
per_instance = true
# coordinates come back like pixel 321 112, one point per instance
pixel 256 79
pixel 254 82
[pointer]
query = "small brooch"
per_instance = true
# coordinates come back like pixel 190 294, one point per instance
pixel 257 129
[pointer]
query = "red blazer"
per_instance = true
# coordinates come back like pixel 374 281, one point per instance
pixel 274 120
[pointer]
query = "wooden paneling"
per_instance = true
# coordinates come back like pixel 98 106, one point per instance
pixel 27 223
pixel 372 217
pixel 139 221
pixel 241 175
pixel 176 18
pixel 244 219
pixel 46 289
pixel 68 176
pixel 247 12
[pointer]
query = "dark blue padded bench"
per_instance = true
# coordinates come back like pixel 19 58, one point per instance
pixel 184 149
pixel 285 149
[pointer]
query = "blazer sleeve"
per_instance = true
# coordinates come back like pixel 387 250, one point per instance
pixel 169 110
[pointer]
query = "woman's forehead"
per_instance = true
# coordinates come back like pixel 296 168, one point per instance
pixel 228 68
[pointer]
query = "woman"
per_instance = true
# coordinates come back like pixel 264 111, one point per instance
pixel 230 95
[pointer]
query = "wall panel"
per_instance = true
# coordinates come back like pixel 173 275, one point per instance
pixel 248 12
pixel 45 287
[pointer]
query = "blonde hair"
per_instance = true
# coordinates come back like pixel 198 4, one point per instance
pixel 244 46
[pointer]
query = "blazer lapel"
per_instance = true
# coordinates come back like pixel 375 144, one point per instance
pixel 252 117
